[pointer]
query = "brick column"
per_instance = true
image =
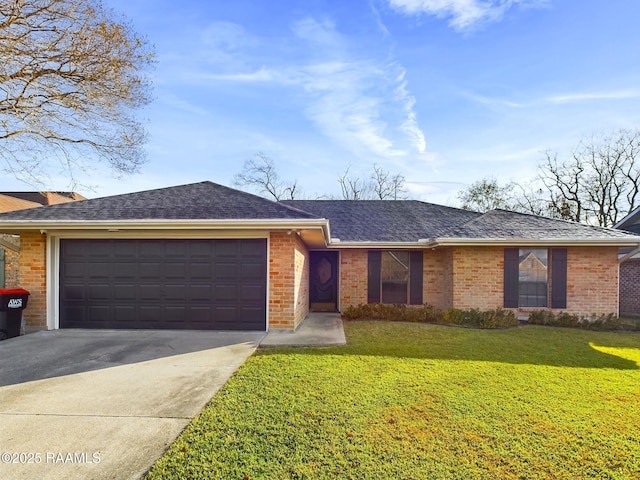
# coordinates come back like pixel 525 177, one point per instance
pixel 33 276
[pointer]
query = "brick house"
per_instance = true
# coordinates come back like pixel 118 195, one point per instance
pixel 630 268
pixel 205 256
pixel 10 244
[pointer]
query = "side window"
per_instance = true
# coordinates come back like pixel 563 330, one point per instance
pixel 532 277
pixel 395 277
pixel 528 274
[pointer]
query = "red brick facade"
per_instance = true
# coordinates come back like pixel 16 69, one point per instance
pixel 288 280
pixel 33 276
pixel 453 277
pixel 473 277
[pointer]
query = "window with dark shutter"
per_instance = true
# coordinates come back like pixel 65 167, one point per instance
pixel 415 282
pixel 558 278
pixel 373 276
pixel 511 282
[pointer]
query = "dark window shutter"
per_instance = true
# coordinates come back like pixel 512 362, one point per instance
pixel 511 282
pixel 373 277
pixel 415 277
pixel 1 267
pixel 558 278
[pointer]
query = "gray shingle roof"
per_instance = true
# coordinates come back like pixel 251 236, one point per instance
pixel 197 201
pixel 384 220
pixel 502 224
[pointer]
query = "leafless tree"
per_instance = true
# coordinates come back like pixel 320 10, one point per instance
pixel 381 185
pixel 354 188
pixel 72 74
pixel 260 173
pixel 386 186
pixel 600 182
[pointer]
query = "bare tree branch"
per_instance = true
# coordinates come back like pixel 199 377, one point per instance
pixel 260 173
pixel 71 76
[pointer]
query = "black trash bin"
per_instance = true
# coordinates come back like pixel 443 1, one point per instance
pixel 12 302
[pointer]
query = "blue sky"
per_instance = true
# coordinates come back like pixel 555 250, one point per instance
pixel 445 92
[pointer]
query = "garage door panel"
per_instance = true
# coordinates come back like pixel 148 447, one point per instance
pixel 100 292
pixel 147 283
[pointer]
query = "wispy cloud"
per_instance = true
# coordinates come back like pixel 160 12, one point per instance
pixel 567 98
pixel 462 14
pixel 363 104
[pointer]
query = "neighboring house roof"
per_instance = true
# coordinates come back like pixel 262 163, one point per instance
pixel 631 222
pixel 8 203
pixel 384 220
pixel 45 198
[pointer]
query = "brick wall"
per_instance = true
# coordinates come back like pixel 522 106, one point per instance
pixel 592 280
pixel 437 285
pixel 288 280
pixel 353 277
pixel 32 276
pixel 630 287
pixel 478 277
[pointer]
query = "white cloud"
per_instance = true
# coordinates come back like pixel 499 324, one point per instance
pixel 463 14
pixel 363 104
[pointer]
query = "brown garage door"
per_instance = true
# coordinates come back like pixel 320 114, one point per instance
pixel 165 284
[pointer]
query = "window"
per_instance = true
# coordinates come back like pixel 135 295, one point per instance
pixel 531 275
pixel 395 276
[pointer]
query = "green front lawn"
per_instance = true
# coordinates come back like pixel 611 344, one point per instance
pixel 415 401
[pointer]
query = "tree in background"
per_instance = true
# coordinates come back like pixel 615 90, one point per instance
pixel 487 194
pixel 71 76
pixel 598 184
pixel 380 185
pixel 260 174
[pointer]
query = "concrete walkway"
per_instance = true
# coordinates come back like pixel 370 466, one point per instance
pixel 316 330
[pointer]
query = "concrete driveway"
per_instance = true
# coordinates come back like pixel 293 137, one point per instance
pixel 106 404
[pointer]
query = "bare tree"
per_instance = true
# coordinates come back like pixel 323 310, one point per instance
pixel 600 183
pixel 386 186
pixel 260 173
pixel 381 185
pixel 354 188
pixel 71 76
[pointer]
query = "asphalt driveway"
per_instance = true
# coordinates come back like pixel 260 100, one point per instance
pixel 106 404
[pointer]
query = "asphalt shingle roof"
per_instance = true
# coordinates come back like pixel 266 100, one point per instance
pixel 502 224
pixel 197 201
pixel 384 220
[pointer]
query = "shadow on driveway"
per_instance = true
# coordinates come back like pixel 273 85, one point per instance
pixel 55 353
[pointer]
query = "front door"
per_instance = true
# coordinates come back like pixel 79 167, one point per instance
pixel 323 288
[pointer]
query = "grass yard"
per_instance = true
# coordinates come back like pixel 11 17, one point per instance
pixel 415 401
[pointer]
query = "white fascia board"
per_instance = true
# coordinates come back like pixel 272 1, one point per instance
pixel 581 242
pixel 336 243
pixel 204 224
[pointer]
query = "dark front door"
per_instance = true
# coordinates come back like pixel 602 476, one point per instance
pixel 323 291
pixel 198 284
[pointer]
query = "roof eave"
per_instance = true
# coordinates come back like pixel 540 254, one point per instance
pixel 586 242
pixel 167 224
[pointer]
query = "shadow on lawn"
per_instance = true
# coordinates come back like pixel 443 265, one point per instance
pixel 533 345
